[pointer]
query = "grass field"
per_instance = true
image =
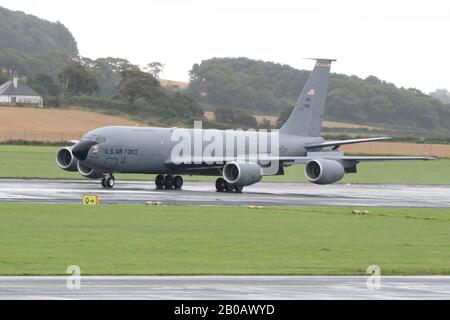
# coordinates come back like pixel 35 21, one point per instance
pixel 39 162
pixel 45 239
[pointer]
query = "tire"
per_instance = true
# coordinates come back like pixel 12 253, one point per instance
pixel 110 183
pixel 168 182
pixel 159 181
pixel 178 182
pixel 104 183
pixel 229 187
pixel 238 189
pixel 220 185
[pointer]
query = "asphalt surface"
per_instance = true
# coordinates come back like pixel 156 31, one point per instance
pixel 203 193
pixel 226 287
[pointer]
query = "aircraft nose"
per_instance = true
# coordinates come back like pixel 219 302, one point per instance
pixel 81 149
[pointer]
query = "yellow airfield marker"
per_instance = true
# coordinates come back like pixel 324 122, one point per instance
pixel 153 203
pixel 360 212
pixel 255 207
pixel 91 200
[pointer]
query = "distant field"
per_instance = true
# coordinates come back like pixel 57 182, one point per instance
pixel 326 124
pixel 39 162
pixel 52 124
pixel 174 84
pixel 398 148
pixel 140 240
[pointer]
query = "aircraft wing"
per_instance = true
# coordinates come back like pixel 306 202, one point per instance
pixel 337 143
pixel 356 159
pixel 217 162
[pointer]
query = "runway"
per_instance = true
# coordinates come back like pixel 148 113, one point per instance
pixel 203 193
pixel 226 287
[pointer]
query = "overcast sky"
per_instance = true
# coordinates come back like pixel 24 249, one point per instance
pixel 404 42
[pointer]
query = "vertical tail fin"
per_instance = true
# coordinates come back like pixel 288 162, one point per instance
pixel 307 116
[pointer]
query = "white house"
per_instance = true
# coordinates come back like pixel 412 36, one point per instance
pixel 13 92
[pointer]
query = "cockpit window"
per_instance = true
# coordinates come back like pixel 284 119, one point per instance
pixel 92 136
pixel 99 139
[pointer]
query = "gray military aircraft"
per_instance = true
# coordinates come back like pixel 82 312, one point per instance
pixel 239 158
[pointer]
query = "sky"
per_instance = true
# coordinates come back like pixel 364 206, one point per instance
pixel 403 42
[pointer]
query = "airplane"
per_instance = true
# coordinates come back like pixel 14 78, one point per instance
pixel 169 152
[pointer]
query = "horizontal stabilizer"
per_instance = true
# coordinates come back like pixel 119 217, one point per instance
pixel 338 143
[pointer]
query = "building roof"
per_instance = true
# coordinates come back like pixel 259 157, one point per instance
pixel 8 89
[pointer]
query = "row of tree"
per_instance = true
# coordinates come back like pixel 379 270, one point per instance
pixel 271 88
pixel 31 35
pixel 136 89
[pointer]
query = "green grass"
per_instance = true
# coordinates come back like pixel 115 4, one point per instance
pixel 39 162
pixel 113 239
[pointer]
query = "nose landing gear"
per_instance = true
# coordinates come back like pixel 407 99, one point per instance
pixel 108 181
pixel 168 182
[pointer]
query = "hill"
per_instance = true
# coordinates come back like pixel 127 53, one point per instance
pixel 51 124
pixel 441 94
pixel 271 88
pixel 29 34
pixel 30 46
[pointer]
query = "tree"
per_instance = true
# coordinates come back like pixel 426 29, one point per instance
pixel 154 68
pixel 225 115
pixel 265 124
pixel 178 105
pixel 442 95
pixel 3 77
pixel 44 85
pixel 235 116
pixel 115 65
pixel 135 84
pixel 31 35
pixel 76 80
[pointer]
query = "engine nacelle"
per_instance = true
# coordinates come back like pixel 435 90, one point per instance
pixel 88 172
pixel 324 171
pixel 65 159
pixel 242 173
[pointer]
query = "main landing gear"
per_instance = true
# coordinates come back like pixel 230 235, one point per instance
pixel 223 186
pixel 108 181
pixel 168 182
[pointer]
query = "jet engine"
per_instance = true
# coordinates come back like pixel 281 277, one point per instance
pixel 324 171
pixel 242 174
pixel 88 172
pixel 65 159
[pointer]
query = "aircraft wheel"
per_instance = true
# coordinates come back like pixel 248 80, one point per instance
pixel 229 187
pixel 159 181
pixel 238 189
pixel 220 184
pixel 110 182
pixel 104 185
pixel 178 182
pixel 168 182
